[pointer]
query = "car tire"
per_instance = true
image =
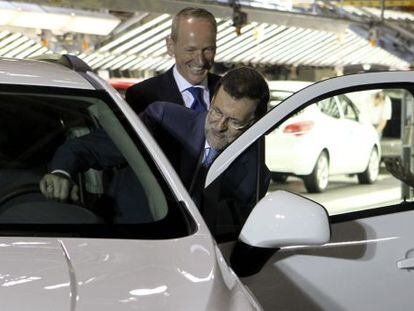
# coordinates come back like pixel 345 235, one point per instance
pixel 317 181
pixel 279 178
pixel 371 173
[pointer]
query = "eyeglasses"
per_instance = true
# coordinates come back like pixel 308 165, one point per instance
pixel 216 115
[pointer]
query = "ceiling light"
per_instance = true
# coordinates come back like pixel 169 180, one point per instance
pixel 29 15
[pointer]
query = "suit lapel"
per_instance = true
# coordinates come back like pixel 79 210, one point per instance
pixel 172 92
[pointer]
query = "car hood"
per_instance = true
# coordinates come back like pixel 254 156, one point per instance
pixel 33 273
pixel 97 274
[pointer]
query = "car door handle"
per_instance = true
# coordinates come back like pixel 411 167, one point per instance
pixel 406 263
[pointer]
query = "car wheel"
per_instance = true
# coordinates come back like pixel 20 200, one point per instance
pixel 278 177
pixel 317 181
pixel 370 174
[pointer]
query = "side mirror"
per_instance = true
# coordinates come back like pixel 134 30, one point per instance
pixel 286 219
pixel 279 219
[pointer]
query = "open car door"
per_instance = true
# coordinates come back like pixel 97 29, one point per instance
pixel 366 264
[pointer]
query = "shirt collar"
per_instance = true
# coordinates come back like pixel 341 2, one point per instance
pixel 183 84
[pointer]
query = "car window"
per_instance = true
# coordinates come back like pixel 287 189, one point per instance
pixel 348 109
pixel 329 107
pixel 342 166
pixel 276 96
pixel 124 195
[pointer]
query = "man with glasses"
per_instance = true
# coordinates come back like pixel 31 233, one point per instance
pixel 241 98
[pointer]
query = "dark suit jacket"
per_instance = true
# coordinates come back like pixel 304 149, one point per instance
pixel 237 185
pixel 161 88
pixel 230 199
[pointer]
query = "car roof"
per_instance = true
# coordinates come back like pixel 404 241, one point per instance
pixel 40 73
pixel 288 85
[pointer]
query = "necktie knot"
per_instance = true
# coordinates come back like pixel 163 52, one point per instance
pixel 198 103
pixel 210 155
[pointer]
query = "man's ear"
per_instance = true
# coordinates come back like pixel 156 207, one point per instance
pixel 170 46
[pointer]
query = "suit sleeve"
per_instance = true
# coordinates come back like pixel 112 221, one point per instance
pixel 95 150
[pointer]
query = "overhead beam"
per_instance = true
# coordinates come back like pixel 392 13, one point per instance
pixel 289 19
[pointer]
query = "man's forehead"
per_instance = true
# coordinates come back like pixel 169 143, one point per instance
pixel 191 20
pixel 222 99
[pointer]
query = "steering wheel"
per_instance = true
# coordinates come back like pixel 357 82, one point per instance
pixel 42 212
pixel 18 191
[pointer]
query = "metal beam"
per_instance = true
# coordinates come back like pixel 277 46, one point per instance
pixel 260 15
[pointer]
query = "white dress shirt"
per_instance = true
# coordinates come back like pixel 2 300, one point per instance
pixel 183 85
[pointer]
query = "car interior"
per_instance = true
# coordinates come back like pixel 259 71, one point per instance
pixel 34 125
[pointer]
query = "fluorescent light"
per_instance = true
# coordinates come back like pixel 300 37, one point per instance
pixel 19 49
pixel 7 12
pixel 123 62
pixel 144 37
pixel 39 20
pixel 132 33
pixel 147 43
pixel 29 51
pixel 10 39
pixel 13 45
pixel 91 24
pixel 28 15
pixel 43 50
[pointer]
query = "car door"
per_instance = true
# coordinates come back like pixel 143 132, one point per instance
pixel 367 263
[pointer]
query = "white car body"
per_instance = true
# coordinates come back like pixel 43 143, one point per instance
pixel 368 263
pixel 295 146
pixel 365 266
pixel 69 271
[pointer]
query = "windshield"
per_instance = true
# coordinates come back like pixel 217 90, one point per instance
pixel 46 130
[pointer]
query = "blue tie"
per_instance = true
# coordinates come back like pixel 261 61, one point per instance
pixel 211 154
pixel 198 104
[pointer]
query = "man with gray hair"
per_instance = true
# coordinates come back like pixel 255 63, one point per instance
pixel 192 43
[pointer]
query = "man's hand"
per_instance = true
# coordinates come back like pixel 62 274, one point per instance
pixel 58 187
pixel 396 168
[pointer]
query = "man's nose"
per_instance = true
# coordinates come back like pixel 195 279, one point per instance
pixel 200 58
pixel 221 124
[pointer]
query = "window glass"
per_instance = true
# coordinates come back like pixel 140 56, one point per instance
pixel 71 130
pixel 276 96
pixel 347 108
pixel 329 107
pixel 342 164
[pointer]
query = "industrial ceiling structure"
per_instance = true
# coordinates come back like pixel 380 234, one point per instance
pixel 327 35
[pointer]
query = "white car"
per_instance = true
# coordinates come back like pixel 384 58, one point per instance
pixel 326 138
pixel 66 256
pixel 71 256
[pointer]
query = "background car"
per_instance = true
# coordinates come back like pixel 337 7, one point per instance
pixel 326 138
pixel 121 84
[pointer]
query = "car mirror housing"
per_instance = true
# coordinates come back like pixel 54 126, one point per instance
pixel 279 219
pixel 286 219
